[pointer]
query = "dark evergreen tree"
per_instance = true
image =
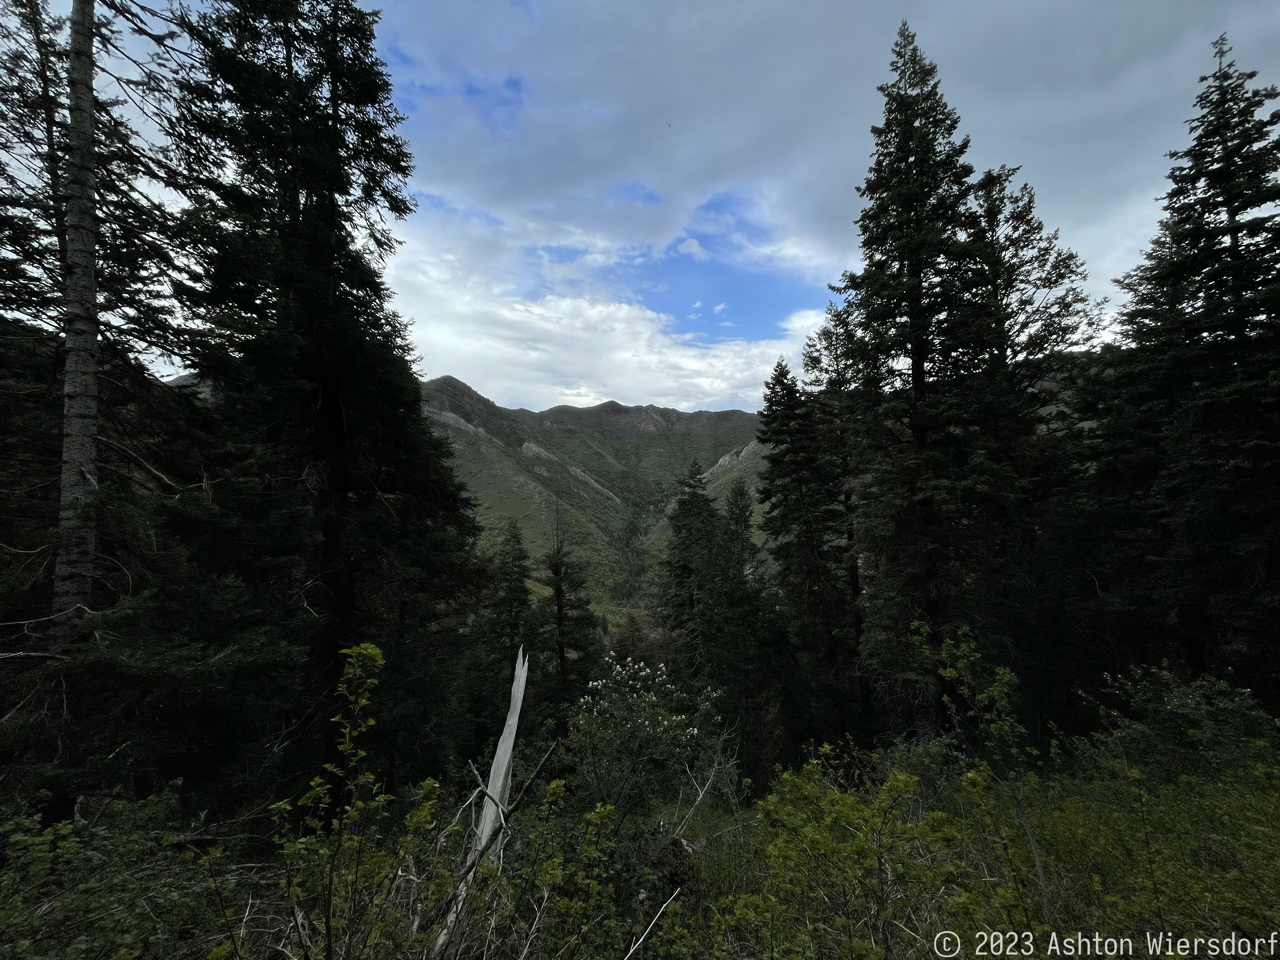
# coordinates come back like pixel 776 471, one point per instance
pixel 1191 448
pixel 78 485
pixel 627 579
pixel 138 439
pixel 940 364
pixel 473 680
pixel 754 663
pixel 803 489
pixel 120 303
pixel 509 604
pixel 740 628
pixel 722 615
pixel 808 489
pixel 899 342
pixel 687 572
pixel 1025 551
pixel 341 501
pixel 900 316
pixel 571 630
pixel 32 240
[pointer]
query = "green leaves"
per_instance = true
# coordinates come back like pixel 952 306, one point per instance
pixel 119 885
pixel 848 875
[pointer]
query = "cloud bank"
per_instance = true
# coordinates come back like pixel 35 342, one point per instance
pixel 588 171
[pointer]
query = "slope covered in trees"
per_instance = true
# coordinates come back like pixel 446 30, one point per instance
pixel 971 629
pixel 606 472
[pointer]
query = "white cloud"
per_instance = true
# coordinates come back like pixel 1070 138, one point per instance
pixel 718 307
pixel 541 116
pixel 529 121
pixel 541 351
pixel 693 249
pixel 803 322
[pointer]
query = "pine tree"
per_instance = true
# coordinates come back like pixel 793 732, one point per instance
pixel 509 603
pixel 721 613
pixel 803 488
pixel 286 155
pixel 571 630
pixel 687 572
pixel 754 663
pixel 141 434
pixel 631 566
pixel 912 228
pixel 472 679
pixel 899 341
pixel 1022 544
pixel 77 511
pixel 808 489
pixel 1195 396
pixel 940 365
pixel 739 549
pixel 33 242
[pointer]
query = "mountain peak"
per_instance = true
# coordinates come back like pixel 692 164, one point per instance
pixel 592 467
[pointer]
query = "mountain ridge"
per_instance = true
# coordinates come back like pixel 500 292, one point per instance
pixel 607 471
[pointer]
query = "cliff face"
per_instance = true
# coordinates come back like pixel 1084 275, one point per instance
pixel 597 465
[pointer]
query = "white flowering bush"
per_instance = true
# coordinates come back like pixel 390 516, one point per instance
pixel 637 742
pixel 655 757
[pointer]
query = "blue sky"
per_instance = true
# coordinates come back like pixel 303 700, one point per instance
pixel 646 202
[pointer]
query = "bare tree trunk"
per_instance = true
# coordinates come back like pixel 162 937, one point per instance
pixel 77 520
pixel 493 817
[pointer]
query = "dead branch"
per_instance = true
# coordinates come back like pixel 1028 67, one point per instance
pixel 138 459
pixel 636 946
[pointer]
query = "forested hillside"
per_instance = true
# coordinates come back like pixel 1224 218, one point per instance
pixel 605 473
pixel 973 628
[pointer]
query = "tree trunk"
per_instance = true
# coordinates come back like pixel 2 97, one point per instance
pixel 562 628
pixel 77 520
pixel 336 576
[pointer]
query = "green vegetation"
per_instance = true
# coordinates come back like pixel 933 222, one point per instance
pixel 605 473
pixel 972 629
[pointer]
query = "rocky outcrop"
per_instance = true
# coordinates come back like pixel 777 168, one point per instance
pixel 588 479
pixel 752 450
pixel 450 419
pixel 531 449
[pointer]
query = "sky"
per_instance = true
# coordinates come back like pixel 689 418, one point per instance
pixel 645 202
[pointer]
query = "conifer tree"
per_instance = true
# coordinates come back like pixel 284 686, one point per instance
pixel 33 245
pixel 476 672
pixel 570 629
pixel 687 571
pixel 140 434
pixel 808 489
pixel 940 363
pixel 1032 322
pixel 569 622
pixel 1195 396
pixel 631 566
pixel 803 488
pixel 286 154
pixel 509 603
pixel 900 340
pixel 722 613
pixel 753 661
pixel 77 520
